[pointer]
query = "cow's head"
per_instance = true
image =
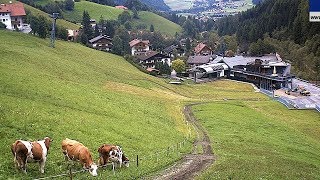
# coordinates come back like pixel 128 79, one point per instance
pixel 115 155
pixel 93 169
pixel 125 161
pixel 47 142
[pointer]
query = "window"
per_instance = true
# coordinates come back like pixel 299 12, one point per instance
pixel 3 20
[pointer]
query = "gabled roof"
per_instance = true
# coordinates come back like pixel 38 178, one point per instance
pixel 150 54
pixel 99 37
pixel 199 47
pixel 136 41
pixel 200 59
pixel 15 9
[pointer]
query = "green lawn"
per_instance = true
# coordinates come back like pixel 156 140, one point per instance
pixel 261 140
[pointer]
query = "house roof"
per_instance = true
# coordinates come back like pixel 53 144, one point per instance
pixel 15 9
pixel 199 47
pixel 136 41
pixel 210 68
pixel 99 37
pixel 171 48
pixel 199 59
pixel 121 7
pixel 241 60
pixel 150 54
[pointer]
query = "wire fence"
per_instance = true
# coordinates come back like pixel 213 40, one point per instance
pixel 155 156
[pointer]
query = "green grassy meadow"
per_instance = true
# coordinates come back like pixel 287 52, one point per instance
pixel 64 92
pixel 110 13
pixel 95 10
pixel 261 140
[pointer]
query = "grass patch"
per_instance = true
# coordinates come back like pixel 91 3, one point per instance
pixel 261 140
pixel 95 11
pixel 160 24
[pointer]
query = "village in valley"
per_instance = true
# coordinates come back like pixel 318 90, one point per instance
pixel 201 62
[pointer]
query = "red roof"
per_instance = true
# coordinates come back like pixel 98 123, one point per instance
pixel 15 9
pixel 121 7
pixel 137 41
pixel 199 48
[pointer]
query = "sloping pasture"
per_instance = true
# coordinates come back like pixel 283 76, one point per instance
pixel 261 140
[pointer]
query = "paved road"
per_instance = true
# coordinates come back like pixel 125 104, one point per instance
pixel 306 101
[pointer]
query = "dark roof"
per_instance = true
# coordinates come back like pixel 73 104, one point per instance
pixel 99 37
pixel 241 60
pixel 171 48
pixel 200 59
pixel 150 54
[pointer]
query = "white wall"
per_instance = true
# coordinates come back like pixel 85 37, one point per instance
pixel 6 19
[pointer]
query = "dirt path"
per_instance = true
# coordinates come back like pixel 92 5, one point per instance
pixel 192 164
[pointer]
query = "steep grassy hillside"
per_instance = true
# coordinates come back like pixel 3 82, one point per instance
pixel 76 92
pixel 94 97
pixel 95 10
pixel 261 140
pixel 60 22
pixel 160 24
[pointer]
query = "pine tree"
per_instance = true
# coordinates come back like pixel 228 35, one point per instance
pixel 151 28
pixel 117 47
pixel 86 26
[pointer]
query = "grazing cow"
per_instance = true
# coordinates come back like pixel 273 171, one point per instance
pixel 26 151
pixel 73 150
pixel 112 153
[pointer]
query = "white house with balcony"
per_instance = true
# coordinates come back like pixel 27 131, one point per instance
pixel 12 15
pixel 139 46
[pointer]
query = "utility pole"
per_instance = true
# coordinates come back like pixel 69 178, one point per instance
pixel 54 17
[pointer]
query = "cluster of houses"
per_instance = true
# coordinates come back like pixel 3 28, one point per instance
pixel 268 72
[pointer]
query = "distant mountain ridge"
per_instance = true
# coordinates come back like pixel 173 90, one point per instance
pixel 156 4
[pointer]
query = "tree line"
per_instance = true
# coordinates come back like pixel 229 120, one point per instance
pixel 278 25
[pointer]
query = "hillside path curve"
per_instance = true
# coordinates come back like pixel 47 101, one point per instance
pixel 192 164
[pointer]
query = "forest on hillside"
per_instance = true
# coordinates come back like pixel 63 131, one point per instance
pixel 282 25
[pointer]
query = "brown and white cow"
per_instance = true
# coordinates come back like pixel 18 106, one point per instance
pixel 112 153
pixel 74 150
pixel 26 151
